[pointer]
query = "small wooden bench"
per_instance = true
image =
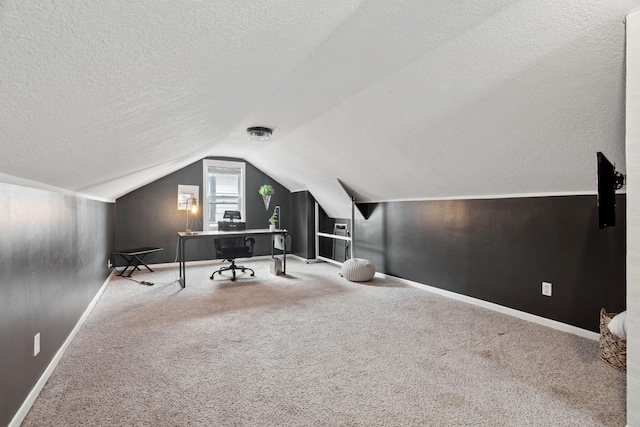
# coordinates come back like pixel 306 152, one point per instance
pixel 134 257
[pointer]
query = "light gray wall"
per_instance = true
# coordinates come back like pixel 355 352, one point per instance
pixel 633 218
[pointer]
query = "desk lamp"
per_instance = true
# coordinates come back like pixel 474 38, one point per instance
pixel 192 206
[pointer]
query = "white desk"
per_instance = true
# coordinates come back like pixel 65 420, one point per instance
pixel 183 237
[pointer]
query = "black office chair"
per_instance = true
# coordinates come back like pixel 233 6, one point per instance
pixel 230 248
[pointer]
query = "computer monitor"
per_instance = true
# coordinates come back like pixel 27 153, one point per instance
pixel 231 215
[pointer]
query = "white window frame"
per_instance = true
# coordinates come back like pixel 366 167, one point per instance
pixel 206 164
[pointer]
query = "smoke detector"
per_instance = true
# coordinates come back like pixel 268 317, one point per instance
pixel 259 133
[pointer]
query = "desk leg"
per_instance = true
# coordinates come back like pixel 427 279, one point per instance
pixel 183 268
pixel 126 267
pixel 273 244
pixel 139 260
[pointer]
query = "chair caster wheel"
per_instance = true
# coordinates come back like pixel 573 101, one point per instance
pixel 212 276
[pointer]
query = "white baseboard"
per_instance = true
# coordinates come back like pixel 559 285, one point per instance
pixel 470 300
pixel 501 309
pixel 26 405
pixel 31 398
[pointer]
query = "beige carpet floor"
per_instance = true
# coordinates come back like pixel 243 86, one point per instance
pixel 313 349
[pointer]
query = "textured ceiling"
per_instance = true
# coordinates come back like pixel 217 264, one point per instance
pixel 399 100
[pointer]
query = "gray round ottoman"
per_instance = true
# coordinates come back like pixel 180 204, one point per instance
pixel 358 270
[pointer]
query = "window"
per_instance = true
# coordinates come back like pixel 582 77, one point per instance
pixel 224 190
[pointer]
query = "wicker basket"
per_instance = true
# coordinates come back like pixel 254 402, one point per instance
pixel 613 350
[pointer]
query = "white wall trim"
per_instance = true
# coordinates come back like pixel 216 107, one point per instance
pixel 242 197
pixel 632 153
pixel 500 309
pixel 488 196
pixel 497 196
pixel 31 398
pixel 489 305
pixel 22 182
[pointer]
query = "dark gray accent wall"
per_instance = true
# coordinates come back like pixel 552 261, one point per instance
pixel 53 256
pixel 496 250
pixel 303 224
pixel 149 215
pixel 500 250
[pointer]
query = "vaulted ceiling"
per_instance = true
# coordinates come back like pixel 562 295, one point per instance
pixel 397 99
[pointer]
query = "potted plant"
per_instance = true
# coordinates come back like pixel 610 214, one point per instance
pixel 273 219
pixel 266 191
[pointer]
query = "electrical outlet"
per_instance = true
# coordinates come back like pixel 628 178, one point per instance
pixel 109 265
pixel 36 344
pixel 546 289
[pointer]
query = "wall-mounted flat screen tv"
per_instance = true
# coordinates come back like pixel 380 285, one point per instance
pixel 606 192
